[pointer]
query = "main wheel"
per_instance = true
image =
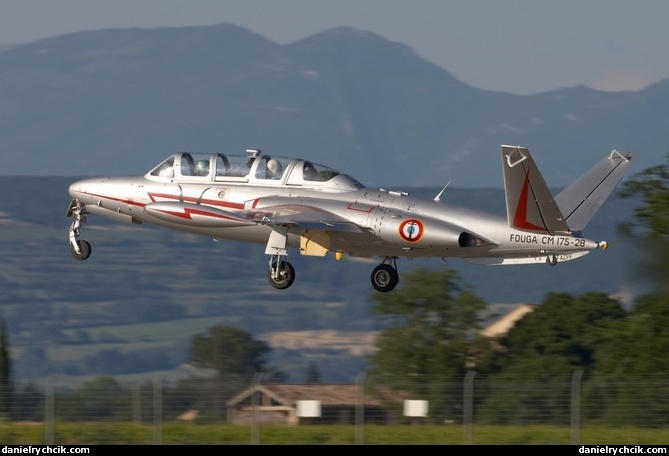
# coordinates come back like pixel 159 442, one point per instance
pixel 85 248
pixel 285 278
pixel 551 260
pixel 384 278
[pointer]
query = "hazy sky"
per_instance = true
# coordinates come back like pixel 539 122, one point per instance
pixel 517 46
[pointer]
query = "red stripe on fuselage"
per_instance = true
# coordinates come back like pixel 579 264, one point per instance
pixel 166 196
pixel 118 200
pixel 189 199
pixel 186 214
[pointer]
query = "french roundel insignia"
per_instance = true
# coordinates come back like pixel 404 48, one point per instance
pixel 411 230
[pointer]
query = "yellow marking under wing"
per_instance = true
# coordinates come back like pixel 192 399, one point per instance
pixel 314 243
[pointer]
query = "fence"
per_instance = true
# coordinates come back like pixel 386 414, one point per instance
pixel 474 408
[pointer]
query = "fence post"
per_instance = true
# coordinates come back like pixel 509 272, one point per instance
pixel 49 408
pixel 360 409
pixel 576 407
pixel 468 407
pixel 255 430
pixel 136 402
pixel 158 408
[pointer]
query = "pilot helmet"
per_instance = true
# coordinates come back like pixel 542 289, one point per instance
pixel 309 171
pixel 202 167
pixel 274 167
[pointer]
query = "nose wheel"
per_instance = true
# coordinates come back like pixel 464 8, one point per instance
pixel 385 276
pixel 80 249
pixel 84 250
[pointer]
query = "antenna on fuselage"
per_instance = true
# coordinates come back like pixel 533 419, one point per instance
pixel 437 198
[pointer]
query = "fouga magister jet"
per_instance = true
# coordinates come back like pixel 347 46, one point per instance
pixel 294 203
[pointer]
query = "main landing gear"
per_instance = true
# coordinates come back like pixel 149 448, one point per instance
pixel 281 273
pixel 80 249
pixel 385 276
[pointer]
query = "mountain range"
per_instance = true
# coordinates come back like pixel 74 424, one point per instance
pixel 118 101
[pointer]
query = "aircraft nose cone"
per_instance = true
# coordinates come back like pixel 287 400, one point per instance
pixel 84 187
pixel 73 189
pixel 77 188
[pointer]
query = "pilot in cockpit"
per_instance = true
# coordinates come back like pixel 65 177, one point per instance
pixel 309 172
pixel 202 168
pixel 274 169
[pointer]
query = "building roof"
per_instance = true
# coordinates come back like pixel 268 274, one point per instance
pixel 328 395
pixel 504 324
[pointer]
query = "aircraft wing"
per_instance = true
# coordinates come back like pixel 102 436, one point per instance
pixel 305 216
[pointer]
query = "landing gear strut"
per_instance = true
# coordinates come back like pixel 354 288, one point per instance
pixel 281 273
pixel 80 249
pixel 385 276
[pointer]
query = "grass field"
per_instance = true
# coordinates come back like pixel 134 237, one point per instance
pixel 210 434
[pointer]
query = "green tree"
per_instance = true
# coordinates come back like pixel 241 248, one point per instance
pixel 631 365
pixel 643 339
pixel 433 322
pixel 640 343
pixel 5 373
pixel 235 356
pixel 541 352
pixel 651 187
pixel 102 398
pixel 561 334
pixel 229 351
pixel 431 319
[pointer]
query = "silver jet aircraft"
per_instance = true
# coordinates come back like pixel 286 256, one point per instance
pixel 294 203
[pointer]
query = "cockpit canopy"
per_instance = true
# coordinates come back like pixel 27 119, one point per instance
pixel 253 169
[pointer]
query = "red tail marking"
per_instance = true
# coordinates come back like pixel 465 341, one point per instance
pixel 520 217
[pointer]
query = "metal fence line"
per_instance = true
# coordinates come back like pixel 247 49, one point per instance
pixel 570 401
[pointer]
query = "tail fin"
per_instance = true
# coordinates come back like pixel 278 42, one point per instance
pixel 583 198
pixel 529 203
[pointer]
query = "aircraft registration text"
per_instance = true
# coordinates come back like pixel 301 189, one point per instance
pixel 547 240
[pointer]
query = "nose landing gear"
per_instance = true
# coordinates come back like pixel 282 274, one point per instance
pixel 80 249
pixel 84 250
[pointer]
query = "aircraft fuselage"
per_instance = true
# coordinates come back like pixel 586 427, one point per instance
pixel 293 203
pixel 393 224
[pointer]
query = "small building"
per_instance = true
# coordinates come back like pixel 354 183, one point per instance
pixel 279 403
pixel 502 326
